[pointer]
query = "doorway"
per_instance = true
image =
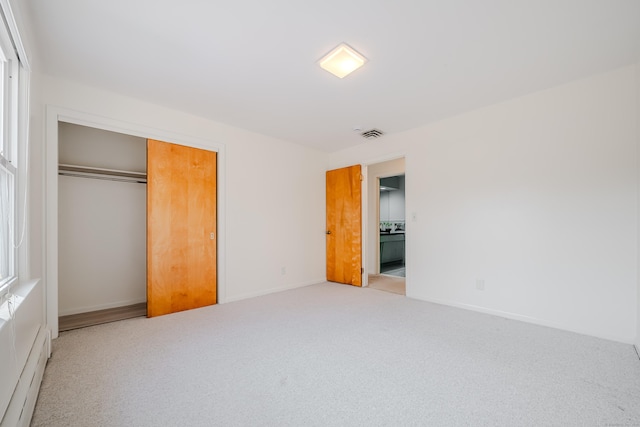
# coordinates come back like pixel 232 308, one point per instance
pixel 392 226
pixel 386 231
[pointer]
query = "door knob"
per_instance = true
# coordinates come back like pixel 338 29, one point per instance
pixel 328 231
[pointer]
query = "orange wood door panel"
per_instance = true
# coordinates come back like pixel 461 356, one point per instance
pixel 344 226
pixel 181 215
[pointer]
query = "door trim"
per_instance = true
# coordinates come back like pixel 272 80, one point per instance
pixel 50 194
pixel 367 228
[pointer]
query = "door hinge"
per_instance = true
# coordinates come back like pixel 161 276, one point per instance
pixel 361 270
pixel 361 177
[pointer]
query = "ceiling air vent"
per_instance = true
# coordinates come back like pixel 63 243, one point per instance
pixel 372 134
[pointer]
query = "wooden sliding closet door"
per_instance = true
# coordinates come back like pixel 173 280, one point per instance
pixel 181 227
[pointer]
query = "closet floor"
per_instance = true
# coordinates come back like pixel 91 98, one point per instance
pixel 81 320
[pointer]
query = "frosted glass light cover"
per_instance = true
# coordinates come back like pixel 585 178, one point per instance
pixel 342 61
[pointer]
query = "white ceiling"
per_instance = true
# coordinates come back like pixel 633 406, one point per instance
pixel 252 63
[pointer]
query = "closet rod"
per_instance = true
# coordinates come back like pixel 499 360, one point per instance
pixel 100 173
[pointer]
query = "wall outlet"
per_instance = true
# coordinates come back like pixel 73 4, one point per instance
pixel 480 284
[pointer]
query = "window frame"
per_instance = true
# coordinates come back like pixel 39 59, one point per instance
pixel 9 158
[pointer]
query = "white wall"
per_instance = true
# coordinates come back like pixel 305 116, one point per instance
pixel 272 201
pixel 537 196
pixel 86 146
pixel 102 244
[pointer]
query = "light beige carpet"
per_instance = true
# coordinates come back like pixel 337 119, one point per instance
pixel 334 355
pixel 386 283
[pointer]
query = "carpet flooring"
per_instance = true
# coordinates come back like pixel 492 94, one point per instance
pixel 335 355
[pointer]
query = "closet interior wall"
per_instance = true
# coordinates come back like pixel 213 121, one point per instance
pixel 102 221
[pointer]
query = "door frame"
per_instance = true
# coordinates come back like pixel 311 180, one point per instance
pixel 370 232
pixel 54 115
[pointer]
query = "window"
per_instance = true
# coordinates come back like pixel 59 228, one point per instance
pixel 9 73
pixel 7 221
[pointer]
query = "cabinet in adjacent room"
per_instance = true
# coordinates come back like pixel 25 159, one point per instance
pixel 391 248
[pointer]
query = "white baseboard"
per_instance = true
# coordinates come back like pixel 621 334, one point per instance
pixel 520 317
pixel 23 401
pixel 273 290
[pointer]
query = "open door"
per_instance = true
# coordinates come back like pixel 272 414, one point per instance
pixel 344 225
pixel 181 227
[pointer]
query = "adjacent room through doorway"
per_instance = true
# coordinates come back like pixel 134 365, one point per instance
pixel 386 231
pixel 392 226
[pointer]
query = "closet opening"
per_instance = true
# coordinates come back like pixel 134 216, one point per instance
pixel 101 226
pixel 62 299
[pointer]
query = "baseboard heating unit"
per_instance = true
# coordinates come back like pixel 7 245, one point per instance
pixel 25 346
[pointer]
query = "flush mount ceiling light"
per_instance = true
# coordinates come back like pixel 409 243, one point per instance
pixel 342 61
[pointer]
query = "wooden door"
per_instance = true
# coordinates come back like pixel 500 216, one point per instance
pixel 344 226
pixel 181 227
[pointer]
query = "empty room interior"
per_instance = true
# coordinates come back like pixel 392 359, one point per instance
pixel 330 213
